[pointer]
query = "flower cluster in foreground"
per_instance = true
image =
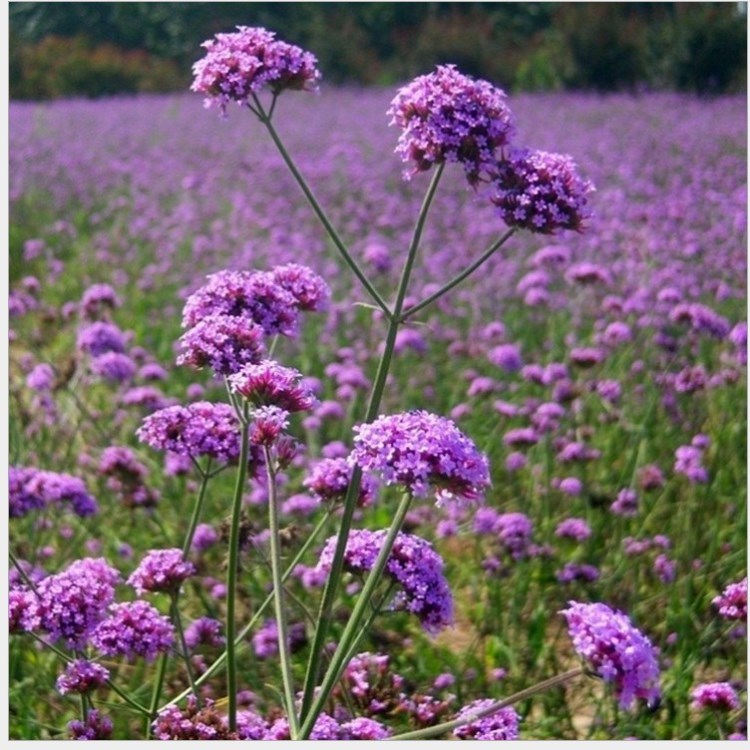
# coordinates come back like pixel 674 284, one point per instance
pixel 615 650
pixel 423 453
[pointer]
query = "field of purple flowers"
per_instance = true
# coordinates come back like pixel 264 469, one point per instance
pixel 602 373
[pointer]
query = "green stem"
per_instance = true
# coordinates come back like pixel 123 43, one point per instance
pixel 438 729
pixel 242 635
pixel 456 280
pixel 278 589
pixel 332 233
pixel 177 620
pixel 161 671
pixel 352 493
pixel 233 563
pixel 197 508
pixel 352 631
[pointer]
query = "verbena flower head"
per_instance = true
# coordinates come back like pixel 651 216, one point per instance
pixel 270 384
pixel 309 290
pixel 446 116
pixel 71 603
pixel 199 429
pixel 363 728
pixel 268 425
pixel 718 696
pixel 422 452
pixel 413 564
pixel 192 723
pixel 541 192
pixel 134 629
pixel 732 602
pixel 99 338
pixel 20 499
pixel 53 487
pixel 372 684
pixel 205 631
pixel 500 725
pixel 115 367
pixel 615 650
pixel 251 294
pixel 97 298
pixel 81 676
pixel 241 63
pixel 96 727
pixel 222 342
pixel 329 480
pixel 161 570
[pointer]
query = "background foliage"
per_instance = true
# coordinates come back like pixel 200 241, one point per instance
pixel 97 49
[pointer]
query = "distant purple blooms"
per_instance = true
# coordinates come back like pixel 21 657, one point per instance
pixel 732 602
pixel 310 291
pixel 615 650
pixel 114 367
pixel 205 631
pixel 98 338
pixel 133 629
pixel 239 64
pixel 329 480
pixel 32 489
pixel 422 452
pixel 716 696
pixel 541 192
pixel 413 564
pixel 573 528
pixel 498 725
pixel 446 116
pixel 161 570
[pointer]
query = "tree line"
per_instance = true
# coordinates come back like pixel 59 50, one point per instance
pixel 95 49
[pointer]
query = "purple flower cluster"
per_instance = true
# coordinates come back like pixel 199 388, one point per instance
pixel 72 603
pixel 199 429
pixel 239 64
pixel 310 291
pixel 689 462
pixel 205 631
pixel 499 725
pixel 266 640
pixel 329 480
pixel 375 688
pixel 99 338
pixel 732 602
pixel 97 298
pixel 126 476
pixel 161 570
pixel 114 367
pixel 133 629
pixel 413 564
pixel 32 489
pixel 96 727
pixel 541 192
pixel 255 295
pixel 270 384
pixel 82 676
pixel 449 117
pixel 222 342
pixel 615 650
pixel 422 452
pixel 716 696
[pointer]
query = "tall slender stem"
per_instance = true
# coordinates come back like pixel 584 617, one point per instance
pixel 352 631
pixel 438 729
pixel 458 278
pixel 332 233
pixel 278 589
pixel 177 620
pixel 233 563
pixel 350 501
pixel 242 635
pixel 197 509
pixel 161 671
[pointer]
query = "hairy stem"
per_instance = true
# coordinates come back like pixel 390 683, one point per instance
pixel 458 278
pixel 332 233
pixel 278 592
pixel 233 563
pixel 350 501
pixel 352 631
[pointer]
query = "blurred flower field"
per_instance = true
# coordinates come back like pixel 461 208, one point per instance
pixel 602 373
